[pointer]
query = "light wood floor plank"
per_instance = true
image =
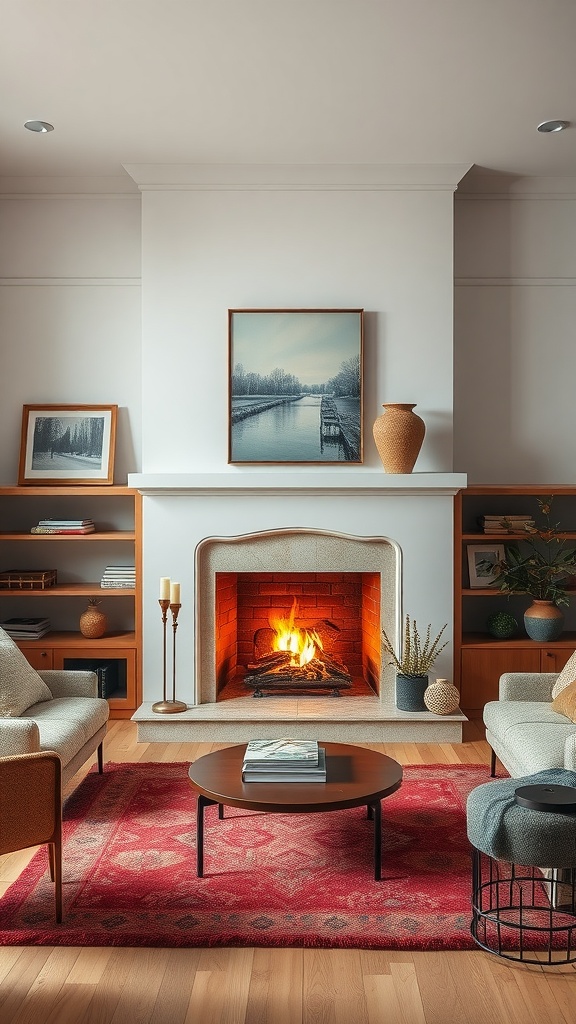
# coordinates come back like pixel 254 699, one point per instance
pixel 173 997
pixel 140 990
pixel 275 995
pixel 19 980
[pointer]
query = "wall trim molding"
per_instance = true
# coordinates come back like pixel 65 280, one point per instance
pixel 70 282
pixel 515 282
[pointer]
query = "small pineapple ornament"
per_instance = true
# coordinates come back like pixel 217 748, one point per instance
pixel 93 622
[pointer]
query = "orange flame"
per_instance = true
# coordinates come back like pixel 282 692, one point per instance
pixel 302 644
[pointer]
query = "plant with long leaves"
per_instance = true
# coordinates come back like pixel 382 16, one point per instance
pixel 540 565
pixel 416 657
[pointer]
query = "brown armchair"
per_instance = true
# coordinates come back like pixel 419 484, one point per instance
pixel 31 809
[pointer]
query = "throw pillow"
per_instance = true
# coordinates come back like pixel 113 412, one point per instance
pixel 565 702
pixel 567 675
pixel 20 684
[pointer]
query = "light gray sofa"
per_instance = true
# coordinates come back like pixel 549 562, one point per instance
pixel 49 710
pixel 523 731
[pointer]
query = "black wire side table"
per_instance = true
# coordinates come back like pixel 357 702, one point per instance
pixel 521 909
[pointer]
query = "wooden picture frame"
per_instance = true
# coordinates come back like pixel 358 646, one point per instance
pixel 67 444
pixel 295 386
pixel 478 573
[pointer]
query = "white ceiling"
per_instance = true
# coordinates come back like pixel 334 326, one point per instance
pixel 286 81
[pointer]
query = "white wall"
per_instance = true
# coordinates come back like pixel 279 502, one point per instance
pixel 70 325
pixel 515 350
pixel 211 249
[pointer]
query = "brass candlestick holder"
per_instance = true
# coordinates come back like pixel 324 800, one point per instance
pixel 166 706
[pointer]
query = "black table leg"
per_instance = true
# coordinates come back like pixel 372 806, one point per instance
pixel 377 815
pixel 203 802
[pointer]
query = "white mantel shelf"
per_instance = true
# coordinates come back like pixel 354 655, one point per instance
pixel 351 482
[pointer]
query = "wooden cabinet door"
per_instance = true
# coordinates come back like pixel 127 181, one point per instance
pixel 124 699
pixel 553 659
pixel 482 668
pixel 39 657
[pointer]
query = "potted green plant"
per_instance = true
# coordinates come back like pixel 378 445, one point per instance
pixel 539 565
pixel 413 663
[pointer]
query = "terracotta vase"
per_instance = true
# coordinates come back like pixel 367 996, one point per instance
pixel 398 434
pixel 543 620
pixel 441 697
pixel 93 622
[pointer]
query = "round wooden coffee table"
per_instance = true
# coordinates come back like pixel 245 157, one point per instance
pixel 354 776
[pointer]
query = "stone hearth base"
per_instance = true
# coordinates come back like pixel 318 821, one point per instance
pixel 336 719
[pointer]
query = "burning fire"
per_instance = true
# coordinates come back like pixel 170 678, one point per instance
pixel 300 643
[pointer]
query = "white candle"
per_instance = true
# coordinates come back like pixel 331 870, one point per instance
pixel 164 588
pixel 174 593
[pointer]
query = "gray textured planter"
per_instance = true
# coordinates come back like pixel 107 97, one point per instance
pixel 410 692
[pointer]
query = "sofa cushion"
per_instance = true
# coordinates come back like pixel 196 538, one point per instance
pixel 567 676
pixel 67 723
pixel 565 702
pixel 20 684
pixel 534 734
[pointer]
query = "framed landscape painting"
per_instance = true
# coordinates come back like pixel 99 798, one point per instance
pixel 295 386
pixel 67 444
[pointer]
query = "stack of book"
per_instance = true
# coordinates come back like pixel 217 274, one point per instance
pixel 118 577
pixel 284 760
pixel 64 526
pixel 505 524
pixel 26 628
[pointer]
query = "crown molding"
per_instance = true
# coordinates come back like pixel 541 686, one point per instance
pixel 117 187
pixel 296 177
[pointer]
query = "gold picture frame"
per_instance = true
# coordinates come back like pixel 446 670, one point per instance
pixel 67 444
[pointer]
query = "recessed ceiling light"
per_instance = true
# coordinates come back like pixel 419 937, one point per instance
pixel 553 126
pixel 39 126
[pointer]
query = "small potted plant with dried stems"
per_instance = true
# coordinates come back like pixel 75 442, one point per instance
pixel 413 663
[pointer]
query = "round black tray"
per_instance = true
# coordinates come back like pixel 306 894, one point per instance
pixel 547 798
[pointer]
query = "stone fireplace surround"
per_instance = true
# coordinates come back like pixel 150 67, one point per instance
pixel 199 525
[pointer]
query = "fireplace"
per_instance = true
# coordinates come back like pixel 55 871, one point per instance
pixel 353 583
pixel 356 549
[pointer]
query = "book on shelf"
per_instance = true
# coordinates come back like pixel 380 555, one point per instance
pixel 65 522
pixel 26 628
pixel 62 529
pixel 272 753
pixel 288 773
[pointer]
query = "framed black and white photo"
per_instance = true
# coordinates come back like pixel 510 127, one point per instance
pixel 67 444
pixel 295 386
pixel 481 560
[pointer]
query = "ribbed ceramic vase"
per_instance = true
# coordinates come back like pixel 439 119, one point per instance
pixel 543 621
pixel 410 692
pixel 398 434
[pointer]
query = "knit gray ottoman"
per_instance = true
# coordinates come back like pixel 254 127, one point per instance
pixel 524 867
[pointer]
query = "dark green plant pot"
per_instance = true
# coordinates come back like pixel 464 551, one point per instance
pixel 501 625
pixel 410 692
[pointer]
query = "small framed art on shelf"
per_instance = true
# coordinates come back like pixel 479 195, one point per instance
pixel 67 444
pixel 481 558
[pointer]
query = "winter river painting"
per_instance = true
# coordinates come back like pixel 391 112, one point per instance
pixel 295 385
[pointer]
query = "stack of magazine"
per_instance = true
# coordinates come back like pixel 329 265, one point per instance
pixel 71 526
pixel 284 760
pixel 118 577
pixel 26 628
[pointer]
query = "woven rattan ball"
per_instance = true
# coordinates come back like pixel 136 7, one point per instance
pixel 441 697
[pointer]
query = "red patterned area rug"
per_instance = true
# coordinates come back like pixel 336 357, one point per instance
pixel 270 879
